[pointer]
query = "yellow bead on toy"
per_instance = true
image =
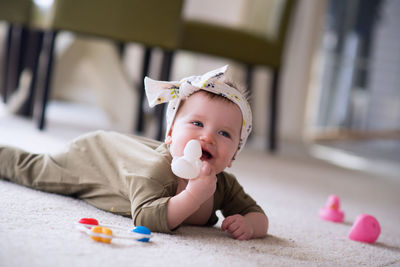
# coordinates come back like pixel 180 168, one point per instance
pixel 101 234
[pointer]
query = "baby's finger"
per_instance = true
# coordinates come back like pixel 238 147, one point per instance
pixel 224 226
pixel 237 233
pixel 233 227
pixel 205 169
pixel 225 223
pixel 228 221
pixel 243 236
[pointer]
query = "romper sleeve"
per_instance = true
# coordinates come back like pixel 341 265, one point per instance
pixel 232 198
pixel 149 201
pixel 151 184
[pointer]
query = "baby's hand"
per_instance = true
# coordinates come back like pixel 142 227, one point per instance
pixel 238 227
pixel 203 187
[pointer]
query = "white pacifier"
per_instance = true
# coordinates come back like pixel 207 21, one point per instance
pixel 188 166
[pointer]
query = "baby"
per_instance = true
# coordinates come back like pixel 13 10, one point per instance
pixel 132 175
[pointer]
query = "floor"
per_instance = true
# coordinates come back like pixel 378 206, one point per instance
pixel 290 186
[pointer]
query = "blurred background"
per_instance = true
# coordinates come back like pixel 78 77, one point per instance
pixel 324 74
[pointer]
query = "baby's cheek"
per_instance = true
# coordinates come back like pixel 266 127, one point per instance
pixel 176 149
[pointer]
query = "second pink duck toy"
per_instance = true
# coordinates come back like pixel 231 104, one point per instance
pixel 331 211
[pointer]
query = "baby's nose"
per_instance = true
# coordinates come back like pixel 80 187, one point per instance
pixel 207 137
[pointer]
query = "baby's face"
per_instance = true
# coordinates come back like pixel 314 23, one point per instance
pixel 214 122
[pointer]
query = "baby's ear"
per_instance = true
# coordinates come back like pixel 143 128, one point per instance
pixel 168 139
pixel 230 162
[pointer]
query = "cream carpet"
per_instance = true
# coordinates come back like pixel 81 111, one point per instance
pixel 37 228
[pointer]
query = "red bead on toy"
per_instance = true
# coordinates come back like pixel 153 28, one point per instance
pixel 331 211
pixel 88 221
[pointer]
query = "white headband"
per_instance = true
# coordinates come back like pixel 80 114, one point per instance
pixel 173 92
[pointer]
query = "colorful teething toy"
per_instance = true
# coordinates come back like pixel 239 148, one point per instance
pixel 104 234
pixel 331 211
pixel 188 166
pixel 365 228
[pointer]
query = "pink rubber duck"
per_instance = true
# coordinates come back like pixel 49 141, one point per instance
pixel 365 229
pixel 331 211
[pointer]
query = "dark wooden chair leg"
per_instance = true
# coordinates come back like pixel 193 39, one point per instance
pixel 145 72
pixel 22 54
pixel 14 59
pixel 121 49
pixel 165 76
pixel 6 63
pixel 274 105
pixel 35 43
pixel 44 78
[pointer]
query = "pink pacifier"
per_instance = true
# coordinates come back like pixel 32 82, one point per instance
pixel 331 211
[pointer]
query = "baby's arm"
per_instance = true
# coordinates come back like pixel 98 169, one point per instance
pixel 197 191
pixel 251 225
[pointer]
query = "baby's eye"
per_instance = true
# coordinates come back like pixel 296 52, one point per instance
pixel 197 123
pixel 225 134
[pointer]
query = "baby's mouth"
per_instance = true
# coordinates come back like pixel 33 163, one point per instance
pixel 205 155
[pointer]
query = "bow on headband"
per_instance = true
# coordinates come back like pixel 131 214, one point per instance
pixel 173 92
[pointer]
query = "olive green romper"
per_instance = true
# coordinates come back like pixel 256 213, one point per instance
pixel 123 174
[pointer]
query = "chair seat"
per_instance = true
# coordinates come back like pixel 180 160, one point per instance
pixel 15 11
pixel 150 22
pixel 223 41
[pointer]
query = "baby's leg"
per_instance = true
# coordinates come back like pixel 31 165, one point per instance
pixel 38 171
pixel 68 173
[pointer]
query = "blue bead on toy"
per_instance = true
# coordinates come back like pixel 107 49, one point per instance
pixel 142 230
